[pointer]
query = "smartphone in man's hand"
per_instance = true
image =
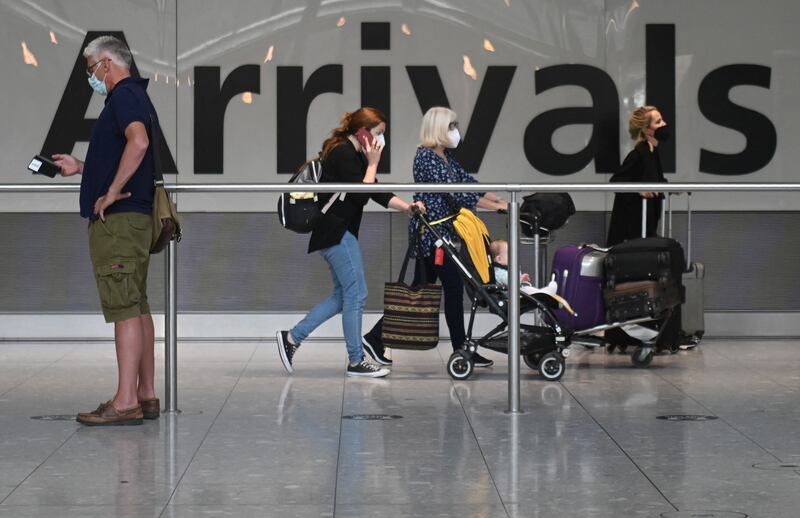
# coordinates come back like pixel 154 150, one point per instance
pixel 44 166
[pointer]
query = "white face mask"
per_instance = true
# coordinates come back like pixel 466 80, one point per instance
pixel 454 137
pixel 380 139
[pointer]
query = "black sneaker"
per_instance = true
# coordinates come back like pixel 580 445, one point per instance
pixel 286 349
pixel 375 349
pixel 480 361
pixel 366 369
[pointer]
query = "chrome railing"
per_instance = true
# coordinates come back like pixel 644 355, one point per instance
pixel 171 269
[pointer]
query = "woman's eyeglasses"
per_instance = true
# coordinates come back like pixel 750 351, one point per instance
pixel 453 125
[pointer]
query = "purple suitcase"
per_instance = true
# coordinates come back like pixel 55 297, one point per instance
pixel 579 274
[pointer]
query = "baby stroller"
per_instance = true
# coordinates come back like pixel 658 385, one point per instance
pixel 543 347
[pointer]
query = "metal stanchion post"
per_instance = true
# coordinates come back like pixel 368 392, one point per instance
pixel 171 328
pixel 513 305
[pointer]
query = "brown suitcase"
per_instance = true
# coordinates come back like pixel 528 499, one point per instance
pixel 630 300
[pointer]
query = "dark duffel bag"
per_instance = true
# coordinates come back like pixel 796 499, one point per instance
pixel 551 209
pixel 645 259
pixel 631 300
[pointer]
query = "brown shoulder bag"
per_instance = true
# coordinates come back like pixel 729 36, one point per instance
pixel 166 225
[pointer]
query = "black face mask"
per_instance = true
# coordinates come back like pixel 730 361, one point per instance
pixel 662 134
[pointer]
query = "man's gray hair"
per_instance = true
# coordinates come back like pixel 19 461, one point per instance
pixel 116 50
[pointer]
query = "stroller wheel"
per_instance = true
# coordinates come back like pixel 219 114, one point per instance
pixel 642 356
pixel 532 360
pixel 460 365
pixel 552 366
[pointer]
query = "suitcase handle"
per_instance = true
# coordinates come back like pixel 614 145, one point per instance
pixel 688 224
pixel 644 217
pixel 688 229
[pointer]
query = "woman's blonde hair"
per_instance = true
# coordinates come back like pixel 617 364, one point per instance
pixel 435 125
pixel 640 119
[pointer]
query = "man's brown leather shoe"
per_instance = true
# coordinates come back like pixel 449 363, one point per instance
pixel 107 415
pixel 95 412
pixel 151 408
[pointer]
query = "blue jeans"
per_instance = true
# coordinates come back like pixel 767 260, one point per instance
pixel 348 297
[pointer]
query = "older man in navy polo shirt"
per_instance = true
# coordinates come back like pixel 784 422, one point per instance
pixel 117 198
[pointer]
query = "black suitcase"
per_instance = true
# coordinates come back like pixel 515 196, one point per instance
pixel 645 259
pixel 630 300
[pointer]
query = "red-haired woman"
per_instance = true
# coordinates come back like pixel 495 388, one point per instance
pixel 347 158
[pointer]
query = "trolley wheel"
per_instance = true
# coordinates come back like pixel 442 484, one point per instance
pixel 552 366
pixel 532 360
pixel 642 356
pixel 460 365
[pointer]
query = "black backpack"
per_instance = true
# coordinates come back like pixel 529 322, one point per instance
pixel 552 209
pixel 298 210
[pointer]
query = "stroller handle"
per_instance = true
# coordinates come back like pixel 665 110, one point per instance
pixel 420 218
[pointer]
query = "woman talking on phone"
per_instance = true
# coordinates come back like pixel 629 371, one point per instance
pixel 643 164
pixel 350 155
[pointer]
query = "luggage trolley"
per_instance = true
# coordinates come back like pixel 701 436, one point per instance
pixel 589 263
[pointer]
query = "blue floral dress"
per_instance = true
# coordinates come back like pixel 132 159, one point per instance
pixel 431 168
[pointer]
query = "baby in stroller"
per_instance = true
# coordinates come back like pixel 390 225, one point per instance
pixel 499 251
pixel 543 347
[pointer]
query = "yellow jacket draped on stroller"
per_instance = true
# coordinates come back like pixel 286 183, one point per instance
pixel 475 235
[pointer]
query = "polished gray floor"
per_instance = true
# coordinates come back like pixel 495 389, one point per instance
pixel 252 441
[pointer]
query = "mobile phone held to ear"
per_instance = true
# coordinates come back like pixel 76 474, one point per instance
pixel 364 137
pixel 44 166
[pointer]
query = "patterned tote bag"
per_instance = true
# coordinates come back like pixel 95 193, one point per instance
pixel 411 313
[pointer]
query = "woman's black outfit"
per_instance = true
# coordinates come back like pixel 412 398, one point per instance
pixel 344 164
pixel 641 165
